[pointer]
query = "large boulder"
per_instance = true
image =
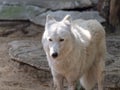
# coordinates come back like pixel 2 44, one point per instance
pixel 29 52
pixel 94 1
pixel 50 4
pixel 38 15
pixel 19 12
pixel 40 19
pixel 36 10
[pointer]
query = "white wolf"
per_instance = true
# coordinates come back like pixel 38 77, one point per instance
pixel 75 51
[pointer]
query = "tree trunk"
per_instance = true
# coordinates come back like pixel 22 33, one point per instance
pixel 114 17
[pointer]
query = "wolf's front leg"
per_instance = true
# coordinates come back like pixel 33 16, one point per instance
pixel 71 85
pixel 58 81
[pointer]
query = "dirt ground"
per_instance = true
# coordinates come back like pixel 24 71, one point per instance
pixel 12 76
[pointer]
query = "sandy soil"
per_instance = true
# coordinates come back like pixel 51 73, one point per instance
pixel 12 75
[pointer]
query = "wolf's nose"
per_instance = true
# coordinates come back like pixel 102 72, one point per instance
pixel 54 55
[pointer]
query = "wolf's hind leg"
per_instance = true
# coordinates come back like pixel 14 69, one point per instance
pixel 100 75
pixel 101 65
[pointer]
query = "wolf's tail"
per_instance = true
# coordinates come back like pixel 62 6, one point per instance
pixel 88 80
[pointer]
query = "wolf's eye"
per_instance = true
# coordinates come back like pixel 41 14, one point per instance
pixel 61 40
pixel 50 39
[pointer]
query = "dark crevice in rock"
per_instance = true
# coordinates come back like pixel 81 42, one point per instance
pixel 80 9
pixel 4 23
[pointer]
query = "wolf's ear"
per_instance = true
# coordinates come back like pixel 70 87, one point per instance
pixel 50 20
pixel 67 20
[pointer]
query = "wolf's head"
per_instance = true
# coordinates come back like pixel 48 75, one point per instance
pixel 57 38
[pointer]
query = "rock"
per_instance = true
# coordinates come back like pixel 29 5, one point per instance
pixel 31 53
pixel 26 27
pixel 36 10
pixel 112 77
pixel 112 70
pixel 19 12
pixel 37 15
pixel 33 30
pixel 12 28
pixel 10 23
pixel 12 12
pixel 50 4
pixel 112 81
pixel 109 59
pixel 113 45
pixel 40 19
pixel 94 1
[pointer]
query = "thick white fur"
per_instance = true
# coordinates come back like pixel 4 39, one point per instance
pixel 80 56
